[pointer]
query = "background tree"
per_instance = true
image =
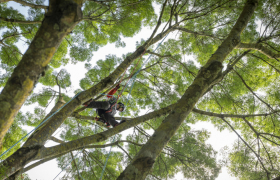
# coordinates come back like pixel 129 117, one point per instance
pixel 240 36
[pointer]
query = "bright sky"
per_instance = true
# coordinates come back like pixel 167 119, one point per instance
pixel 49 170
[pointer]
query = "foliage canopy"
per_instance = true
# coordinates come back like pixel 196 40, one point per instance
pixel 245 99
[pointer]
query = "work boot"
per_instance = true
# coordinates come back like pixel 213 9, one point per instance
pixel 120 123
pixel 88 102
pixel 107 124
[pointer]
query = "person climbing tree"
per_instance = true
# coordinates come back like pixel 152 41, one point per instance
pixel 107 109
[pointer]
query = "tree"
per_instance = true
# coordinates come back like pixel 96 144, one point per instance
pixel 238 35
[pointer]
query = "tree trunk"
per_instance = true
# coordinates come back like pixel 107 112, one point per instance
pixel 60 20
pixel 207 76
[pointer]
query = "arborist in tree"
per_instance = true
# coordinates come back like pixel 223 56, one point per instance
pixel 107 109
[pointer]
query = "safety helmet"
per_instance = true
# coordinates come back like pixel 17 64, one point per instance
pixel 121 105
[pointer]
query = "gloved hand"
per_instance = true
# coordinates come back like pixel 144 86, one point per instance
pixel 117 86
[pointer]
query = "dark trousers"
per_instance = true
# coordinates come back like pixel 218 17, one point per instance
pixel 101 108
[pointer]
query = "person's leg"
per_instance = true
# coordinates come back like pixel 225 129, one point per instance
pixel 110 119
pixel 102 118
pixel 99 105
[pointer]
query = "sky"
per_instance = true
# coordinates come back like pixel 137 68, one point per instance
pixel 49 170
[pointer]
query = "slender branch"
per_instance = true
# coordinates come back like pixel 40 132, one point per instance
pixel 171 57
pixel 158 23
pixel 250 125
pixel 197 33
pixel 86 158
pixel 13 35
pixel 74 162
pixel 39 163
pixel 267 155
pixel 270 140
pixel 275 68
pixel 248 87
pixel 230 115
pixel 204 13
pixel 19 21
pixel 125 152
pixel 31 5
pixel 270 135
pixel 259 159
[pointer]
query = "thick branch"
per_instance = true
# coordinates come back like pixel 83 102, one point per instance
pixel 260 48
pixel 85 141
pixel 93 118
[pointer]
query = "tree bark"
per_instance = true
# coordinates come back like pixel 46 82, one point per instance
pixel 58 22
pixel 259 48
pixel 207 76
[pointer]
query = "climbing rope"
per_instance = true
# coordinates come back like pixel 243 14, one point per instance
pixel 132 79
pixel 37 126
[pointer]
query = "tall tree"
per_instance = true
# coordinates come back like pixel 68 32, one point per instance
pixel 232 83
pixel 59 20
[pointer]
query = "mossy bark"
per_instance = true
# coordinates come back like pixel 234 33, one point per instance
pixel 60 20
pixel 142 163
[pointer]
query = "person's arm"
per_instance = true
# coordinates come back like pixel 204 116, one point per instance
pixel 113 91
